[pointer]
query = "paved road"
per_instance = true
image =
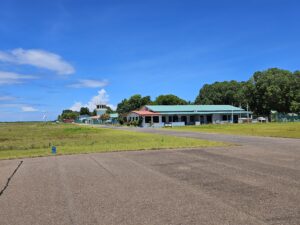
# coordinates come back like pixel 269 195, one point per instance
pixel 255 183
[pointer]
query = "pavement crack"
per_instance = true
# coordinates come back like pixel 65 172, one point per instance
pixel 10 177
pixel 100 165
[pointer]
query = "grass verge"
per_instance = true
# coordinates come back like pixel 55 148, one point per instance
pixel 19 140
pixel 287 130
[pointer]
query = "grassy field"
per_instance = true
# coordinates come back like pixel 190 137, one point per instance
pixel 19 140
pixel 288 130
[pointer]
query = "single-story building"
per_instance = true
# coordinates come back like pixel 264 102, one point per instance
pixel 100 110
pixel 181 115
pixel 113 118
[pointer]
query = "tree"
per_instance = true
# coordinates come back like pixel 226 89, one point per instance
pixel 68 114
pixel 84 111
pixel 222 93
pixel 104 117
pixel 135 102
pixel 94 113
pixel 295 104
pixel 109 110
pixel 273 89
pixel 169 100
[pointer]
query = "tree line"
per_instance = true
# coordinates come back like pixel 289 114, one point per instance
pixel 272 89
pixel 70 114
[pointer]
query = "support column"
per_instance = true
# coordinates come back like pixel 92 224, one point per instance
pixel 188 119
pixel 179 118
pixel 160 119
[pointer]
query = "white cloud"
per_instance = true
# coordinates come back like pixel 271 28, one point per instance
pixel 7 98
pixel 102 98
pixel 22 107
pixel 13 78
pixel 10 105
pixel 113 107
pixel 76 106
pixel 89 84
pixel 28 109
pixel 38 58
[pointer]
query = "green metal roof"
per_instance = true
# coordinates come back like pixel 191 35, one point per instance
pixel 204 112
pixel 192 108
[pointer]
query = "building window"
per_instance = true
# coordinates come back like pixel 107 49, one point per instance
pixel 170 119
pixel 192 119
pixel 163 119
pixel 148 119
pixel 224 118
pixel 175 118
pixel 155 119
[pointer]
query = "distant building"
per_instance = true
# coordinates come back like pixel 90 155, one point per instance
pixel 113 118
pixel 101 109
pixel 181 115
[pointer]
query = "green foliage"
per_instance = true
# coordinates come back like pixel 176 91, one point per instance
pixel 273 89
pixel 222 93
pixel 84 111
pixel 295 106
pixel 135 102
pixel 109 110
pixel 105 117
pixel 169 100
pixel 94 113
pixel 68 114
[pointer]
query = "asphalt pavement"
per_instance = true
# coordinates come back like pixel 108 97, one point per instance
pixel 256 182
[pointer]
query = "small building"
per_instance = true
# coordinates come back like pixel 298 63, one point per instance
pixel 181 115
pixel 82 119
pixel 101 109
pixel 87 119
pixel 113 118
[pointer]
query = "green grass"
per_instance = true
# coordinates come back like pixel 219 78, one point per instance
pixel 288 130
pixel 18 140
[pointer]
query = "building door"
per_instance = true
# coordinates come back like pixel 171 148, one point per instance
pixel 235 118
pixel 209 118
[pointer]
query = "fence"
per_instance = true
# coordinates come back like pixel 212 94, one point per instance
pixel 284 117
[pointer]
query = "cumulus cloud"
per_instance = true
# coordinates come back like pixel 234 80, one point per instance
pixel 101 98
pixel 13 78
pixel 37 58
pixel 89 84
pixel 77 106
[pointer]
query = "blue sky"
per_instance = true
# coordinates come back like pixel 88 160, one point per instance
pixel 63 54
